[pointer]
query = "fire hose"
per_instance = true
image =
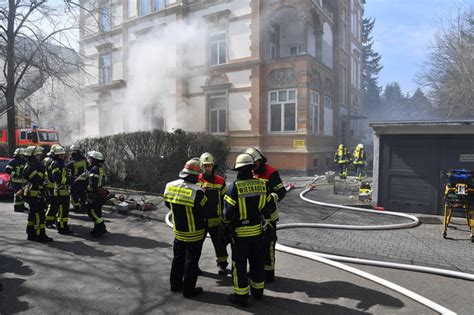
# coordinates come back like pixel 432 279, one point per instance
pixel 331 260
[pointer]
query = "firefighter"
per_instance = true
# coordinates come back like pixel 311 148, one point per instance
pixel 61 179
pixel 341 158
pixel 358 160
pixel 33 192
pixel 15 169
pixel 244 212
pixel 51 206
pixel 94 189
pixel 78 167
pixel 214 187
pixel 277 192
pixel 186 200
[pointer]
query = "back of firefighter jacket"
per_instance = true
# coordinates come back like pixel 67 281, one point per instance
pixel 34 177
pixel 245 204
pixel 186 201
pixel 96 178
pixel 78 166
pixel 60 177
pixel 277 189
pixel 15 169
pixel 214 190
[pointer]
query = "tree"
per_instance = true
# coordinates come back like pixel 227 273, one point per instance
pixel 393 101
pixel 449 72
pixel 33 38
pixel 370 70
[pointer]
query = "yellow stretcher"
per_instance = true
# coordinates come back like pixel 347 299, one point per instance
pixel 459 195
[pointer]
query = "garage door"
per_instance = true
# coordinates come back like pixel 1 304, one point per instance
pixel 412 169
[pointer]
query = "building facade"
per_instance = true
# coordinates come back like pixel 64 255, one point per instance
pixel 281 75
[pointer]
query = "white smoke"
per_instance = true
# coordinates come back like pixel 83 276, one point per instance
pixel 157 64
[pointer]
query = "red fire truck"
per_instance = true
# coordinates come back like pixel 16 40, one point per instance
pixel 32 136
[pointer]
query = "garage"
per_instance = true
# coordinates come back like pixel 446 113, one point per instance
pixel 411 160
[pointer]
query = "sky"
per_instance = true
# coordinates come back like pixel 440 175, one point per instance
pixel 403 32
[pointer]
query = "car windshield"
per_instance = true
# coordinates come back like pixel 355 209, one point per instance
pixel 3 166
pixel 48 136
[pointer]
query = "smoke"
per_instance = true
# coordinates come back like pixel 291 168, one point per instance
pixel 156 81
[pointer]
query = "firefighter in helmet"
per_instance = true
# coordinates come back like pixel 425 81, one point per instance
pixel 186 200
pixel 358 160
pixel 33 192
pixel 214 188
pixel 94 189
pixel 341 158
pixel 78 167
pixel 15 170
pixel 61 179
pixel 246 215
pixel 51 206
pixel 277 193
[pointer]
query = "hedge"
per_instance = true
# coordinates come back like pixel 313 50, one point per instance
pixel 147 160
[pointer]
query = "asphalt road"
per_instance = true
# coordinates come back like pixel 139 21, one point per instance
pixel 127 272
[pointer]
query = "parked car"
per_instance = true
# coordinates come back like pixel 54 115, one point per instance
pixel 4 177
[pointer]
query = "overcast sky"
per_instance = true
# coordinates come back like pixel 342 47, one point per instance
pixel 403 32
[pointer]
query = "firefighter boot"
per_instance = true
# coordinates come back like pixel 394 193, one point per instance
pixel 269 276
pixel 19 208
pixel 256 293
pixel 99 230
pixel 43 238
pixel 239 300
pixel 194 292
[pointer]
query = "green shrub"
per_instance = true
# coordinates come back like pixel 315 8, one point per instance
pixel 147 160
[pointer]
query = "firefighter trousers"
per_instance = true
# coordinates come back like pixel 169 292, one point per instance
pixel 94 211
pixel 184 268
pixel 36 218
pixel 52 207
pixel 79 195
pixel 62 203
pixel 343 170
pixel 18 202
pixel 248 249
pixel 270 253
pixel 219 247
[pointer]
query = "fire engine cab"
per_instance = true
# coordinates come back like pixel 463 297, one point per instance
pixel 32 136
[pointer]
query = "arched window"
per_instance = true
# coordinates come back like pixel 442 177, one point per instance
pixel 327 45
pixel 285 33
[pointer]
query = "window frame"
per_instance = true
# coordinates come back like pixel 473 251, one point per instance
pixel 154 6
pixel 105 19
pixel 282 110
pixel 140 7
pixel 218 110
pixel 312 107
pixel 219 43
pixel 102 67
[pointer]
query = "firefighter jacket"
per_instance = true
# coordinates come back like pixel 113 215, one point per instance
pixel 34 178
pixel 78 167
pixel 358 156
pixel 15 170
pixel 47 161
pixel 96 178
pixel 246 206
pixel 60 177
pixel 186 201
pixel 277 189
pixel 341 156
pixel 214 190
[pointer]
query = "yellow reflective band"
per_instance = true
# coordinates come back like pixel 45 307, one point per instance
pixel 32 174
pixel 229 200
pixel 190 236
pixel 248 231
pixel 222 259
pixel 37 224
pixel 241 291
pixel 190 219
pixel 252 186
pixel 277 187
pixel 242 208
pixel 179 191
pixel 203 201
pixel 262 202
pixel 56 170
pixel 214 222
pixel 257 285
pixel 234 275
pixel 179 200
pixel 274 216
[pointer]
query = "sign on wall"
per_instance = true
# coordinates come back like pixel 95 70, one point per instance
pixel 466 157
pixel 298 144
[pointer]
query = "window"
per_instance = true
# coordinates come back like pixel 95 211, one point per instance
pixel 105 18
pixel 48 136
pixel 218 49
pixel 282 111
pixel 105 68
pixel 273 41
pixel 158 5
pixel 144 7
pixel 314 112
pixel 23 135
pixel 217 119
pixel 328 116
pixel 327 45
pixel 294 50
